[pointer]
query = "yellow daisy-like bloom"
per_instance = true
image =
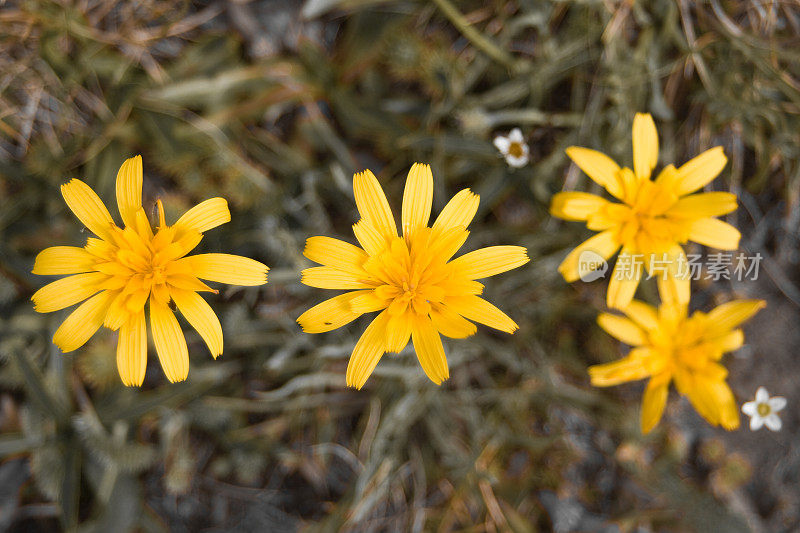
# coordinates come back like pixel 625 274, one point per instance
pixel 654 220
pixel 668 344
pixel 123 268
pixel 420 292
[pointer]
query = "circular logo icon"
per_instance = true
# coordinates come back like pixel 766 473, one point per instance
pixel 591 266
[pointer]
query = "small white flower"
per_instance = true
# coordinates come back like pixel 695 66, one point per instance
pixel 513 148
pixel 764 410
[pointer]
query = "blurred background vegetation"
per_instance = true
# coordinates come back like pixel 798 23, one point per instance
pixel 274 104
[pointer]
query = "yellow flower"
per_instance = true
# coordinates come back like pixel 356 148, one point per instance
pixel 123 268
pixel 655 218
pixel 410 278
pixel 668 344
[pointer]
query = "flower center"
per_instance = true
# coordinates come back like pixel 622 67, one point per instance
pixel 641 221
pixel 141 264
pixel 407 276
pixel 763 409
pixel 155 275
pixel 409 291
pixel 515 149
pixel 678 343
pixel 143 256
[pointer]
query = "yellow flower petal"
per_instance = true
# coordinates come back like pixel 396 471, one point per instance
pixel 430 352
pixel 372 204
pixel 417 198
pixel 729 342
pixel 141 224
pixel 398 332
pixel 227 268
pixel 672 312
pixel 672 275
pixel 333 278
pixel 713 371
pixel 700 171
pixel 603 245
pixel 368 301
pixel 369 238
pixel 726 405
pixel 479 310
pixel 129 189
pixel 178 248
pixel 67 291
pixel 461 286
pixel 714 233
pixel 100 248
pixel 645 145
pixel 729 315
pixel 118 313
pixel 652 199
pixel 132 350
pixel 451 324
pixel 608 216
pixel 444 244
pixel 188 283
pixel 629 184
pixel 489 261
pixel 204 216
pixel 630 368
pixel 170 342
pixel 620 291
pixel 335 253
pixel 576 205
pixel 702 398
pixel 673 288
pixel 624 280
pixel 623 329
pixel 132 243
pixel 707 204
pixel 82 323
pixel 598 166
pixel 668 179
pixel 459 211
pixel 368 351
pixel 88 207
pixel 643 314
pixel 713 400
pixel 330 314
pixel 202 318
pixel 654 401
pixel 58 260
